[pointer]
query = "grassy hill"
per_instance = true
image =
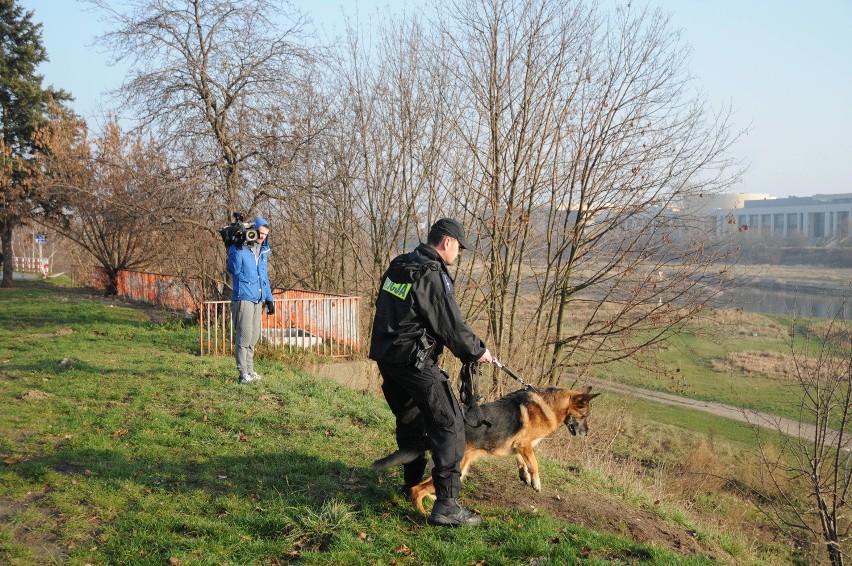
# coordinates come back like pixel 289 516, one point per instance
pixel 120 445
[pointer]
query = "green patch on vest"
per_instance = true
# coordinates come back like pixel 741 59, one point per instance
pixel 396 289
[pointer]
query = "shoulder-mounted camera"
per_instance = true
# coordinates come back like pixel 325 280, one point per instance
pixel 238 232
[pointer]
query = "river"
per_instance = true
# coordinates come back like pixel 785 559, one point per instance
pixel 799 299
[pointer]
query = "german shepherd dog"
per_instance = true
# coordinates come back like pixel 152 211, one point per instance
pixel 513 424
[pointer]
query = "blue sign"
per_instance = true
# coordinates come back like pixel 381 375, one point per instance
pixel 40 238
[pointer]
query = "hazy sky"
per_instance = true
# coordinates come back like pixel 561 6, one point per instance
pixel 785 67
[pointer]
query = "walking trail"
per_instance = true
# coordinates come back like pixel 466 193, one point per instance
pixel 789 427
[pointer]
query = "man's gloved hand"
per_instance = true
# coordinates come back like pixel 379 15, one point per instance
pixel 270 307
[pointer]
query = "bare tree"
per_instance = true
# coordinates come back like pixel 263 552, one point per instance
pixel 212 76
pixel 303 202
pixel 585 137
pixel 391 137
pixel 810 475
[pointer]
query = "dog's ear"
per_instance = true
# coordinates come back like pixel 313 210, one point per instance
pixel 588 393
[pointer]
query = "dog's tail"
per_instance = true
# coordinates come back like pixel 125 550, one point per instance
pixel 401 456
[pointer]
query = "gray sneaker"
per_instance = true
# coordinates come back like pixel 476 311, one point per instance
pixel 246 378
pixel 255 376
pixel 450 513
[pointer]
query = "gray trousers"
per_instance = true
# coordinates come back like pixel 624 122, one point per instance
pixel 245 318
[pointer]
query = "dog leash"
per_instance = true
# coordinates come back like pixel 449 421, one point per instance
pixel 469 395
pixel 514 376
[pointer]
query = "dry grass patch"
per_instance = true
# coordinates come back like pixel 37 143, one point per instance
pixel 683 476
pixel 834 332
pixel 733 322
pixel 775 365
pixel 837 275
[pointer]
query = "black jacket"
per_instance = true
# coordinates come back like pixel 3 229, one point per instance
pixel 415 308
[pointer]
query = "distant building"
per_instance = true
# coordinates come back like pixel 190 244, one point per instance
pixel 818 217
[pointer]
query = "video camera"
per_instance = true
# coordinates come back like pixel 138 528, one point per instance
pixel 239 232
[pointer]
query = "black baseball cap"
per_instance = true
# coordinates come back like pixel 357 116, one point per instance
pixel 451 228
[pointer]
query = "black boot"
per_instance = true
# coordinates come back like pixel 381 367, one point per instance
pixel 449 513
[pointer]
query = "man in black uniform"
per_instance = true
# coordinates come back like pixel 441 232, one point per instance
pixel 416 317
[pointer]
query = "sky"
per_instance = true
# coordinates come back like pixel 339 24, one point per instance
pixel 783 66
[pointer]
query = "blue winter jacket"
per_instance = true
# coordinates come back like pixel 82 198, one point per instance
pixel 250 273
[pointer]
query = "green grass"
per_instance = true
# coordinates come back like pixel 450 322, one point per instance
pixel 685 421
pixel 122 446
pixel 683 366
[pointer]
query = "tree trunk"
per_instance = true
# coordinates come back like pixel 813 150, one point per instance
pixel 834 554
pixel 112 283
pixel 8 260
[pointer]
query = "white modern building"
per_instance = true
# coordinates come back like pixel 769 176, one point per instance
pixel 816 218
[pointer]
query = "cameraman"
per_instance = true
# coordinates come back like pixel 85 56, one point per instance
pixel 247 262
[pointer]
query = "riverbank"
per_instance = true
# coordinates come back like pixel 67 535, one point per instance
pixel 802 276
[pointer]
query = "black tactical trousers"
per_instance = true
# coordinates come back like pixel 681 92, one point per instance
pixel 423 401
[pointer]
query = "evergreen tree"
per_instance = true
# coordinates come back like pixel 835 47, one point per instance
pixel 23 108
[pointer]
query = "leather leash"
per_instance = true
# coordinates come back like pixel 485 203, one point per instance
pixel 513 375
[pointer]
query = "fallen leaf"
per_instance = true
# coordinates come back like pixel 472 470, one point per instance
pixel 175 561
pixel 119 432
pixel 11 461
pixel 404 550
pixel 362 536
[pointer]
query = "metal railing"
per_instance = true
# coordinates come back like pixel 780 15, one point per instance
pixel 327 325
pixel 31 264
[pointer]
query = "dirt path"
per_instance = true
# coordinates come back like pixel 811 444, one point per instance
pixel 789 427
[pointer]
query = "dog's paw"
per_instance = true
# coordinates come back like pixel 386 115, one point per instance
pixel 524 476
pixel 536 484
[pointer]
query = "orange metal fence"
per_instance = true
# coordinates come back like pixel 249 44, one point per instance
pixel 324 324
pixel 170 291
pixel 320 322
